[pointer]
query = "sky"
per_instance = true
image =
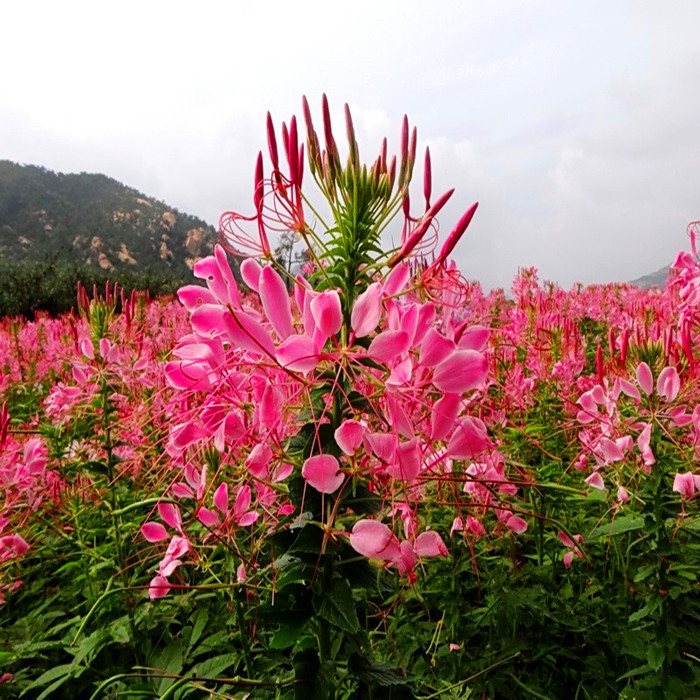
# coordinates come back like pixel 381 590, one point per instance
pixel 574 124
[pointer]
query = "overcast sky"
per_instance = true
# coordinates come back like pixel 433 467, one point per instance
pixel 575 124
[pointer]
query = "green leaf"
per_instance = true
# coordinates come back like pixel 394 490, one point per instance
pixel 309 540
pixel 201 618
pixel 644 573
pixel 643 612
pixel 656 656
pixel 120 631
pixel 626 523
pixel 640 670
pixel 48 692
pixel 90 645
pixel 374 673
pixel 59 674
pixel 286 636
pixel 338 606
pixel 212 667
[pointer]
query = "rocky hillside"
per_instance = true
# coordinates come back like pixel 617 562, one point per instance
pixel 655 279
pixel 94 220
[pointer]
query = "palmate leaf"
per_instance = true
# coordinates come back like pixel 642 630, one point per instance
pixel 338 606
pixel 375 673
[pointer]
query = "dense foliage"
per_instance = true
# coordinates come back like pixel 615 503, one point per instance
pixel 384 484
pixel 50 285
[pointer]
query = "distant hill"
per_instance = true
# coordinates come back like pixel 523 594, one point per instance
pixel 655 279
pixel 96 221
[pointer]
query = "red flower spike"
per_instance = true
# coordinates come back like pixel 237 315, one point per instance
pixel 412 151
pixel 456 233
pixel 285 140
pixel 300 167
pixel 259 185
pixel 403 153
pixel 599 363
pixel 427 179
pixel 293 152
pixel 417 235
pixel 272 143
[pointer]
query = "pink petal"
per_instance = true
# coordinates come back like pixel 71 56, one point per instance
pixel 243 500
pixel 388 345
pixel 250 272
pixel 207 319
pixel 622 495
pixel 192 296
pixel 170 514
pixel 435 348
pixel 595 480
pixel 234 295
pixel 381 445
pixel 430 544
pixel 168 565
pixel 396 279
pixel 611 451
pixel 247 519
pixel 461 371
pixel 400 374
pixel 178 547
pixel 349 436
pixel 374 540
pixel 282 472
pixel 258 461
pixel 209 269
pixel 426 319
pixel 246 332
pixel 208 518
pixel 367 310
pixel 475 526
pixel 154 532
pixel 444 415
pixel 684 484
pixel 270 407
pixel 159 587
pixel 645 379
pixel 323 473
pixel 630 389
pixel 565 539
pixel 669 383
pixel 298 353
pixel 221 498
pixel 516 524
pixel 469 440
pixel 407 461
pixel 327 312
pixel 275 301
pixel 474 338
pixel 406 559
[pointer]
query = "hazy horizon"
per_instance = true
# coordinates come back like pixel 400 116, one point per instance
pixel 573 125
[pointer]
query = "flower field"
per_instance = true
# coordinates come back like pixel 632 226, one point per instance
pixel 366 480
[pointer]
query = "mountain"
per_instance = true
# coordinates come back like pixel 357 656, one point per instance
pixel 94 220
pixel 655 279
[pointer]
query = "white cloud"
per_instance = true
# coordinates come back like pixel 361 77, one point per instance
pixel 573 124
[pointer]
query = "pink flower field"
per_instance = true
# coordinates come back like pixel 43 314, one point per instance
pixel 365 478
